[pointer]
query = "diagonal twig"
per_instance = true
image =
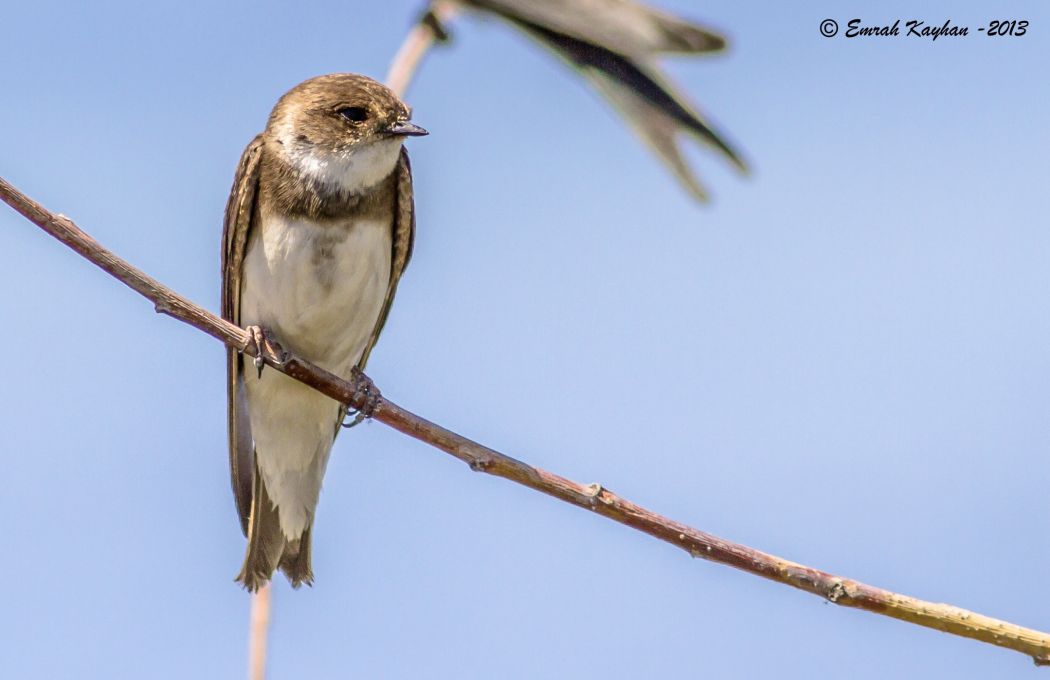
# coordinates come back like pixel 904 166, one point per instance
pixel 427 31
pixel 835 589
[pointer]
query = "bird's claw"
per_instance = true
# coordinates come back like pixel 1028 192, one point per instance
pixel 260 339
pixel 364 389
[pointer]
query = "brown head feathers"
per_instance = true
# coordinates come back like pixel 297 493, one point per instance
pixel 330 144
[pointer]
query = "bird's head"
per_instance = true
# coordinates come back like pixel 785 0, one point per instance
pixel 341 129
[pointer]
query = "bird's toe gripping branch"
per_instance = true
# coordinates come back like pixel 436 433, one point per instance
pixel 365 393
pixel 261 342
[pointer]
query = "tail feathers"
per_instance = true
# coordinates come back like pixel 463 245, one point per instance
pixel 269 548
pixel 295 563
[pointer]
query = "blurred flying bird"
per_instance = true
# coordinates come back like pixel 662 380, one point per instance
pixel 614 44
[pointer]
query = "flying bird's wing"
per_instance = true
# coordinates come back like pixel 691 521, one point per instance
pixel 645 99
pixel 629 27
pixel 404 236
pixel 240 210
pixel 612 43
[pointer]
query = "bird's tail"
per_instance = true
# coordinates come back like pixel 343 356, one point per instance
pixel 269 548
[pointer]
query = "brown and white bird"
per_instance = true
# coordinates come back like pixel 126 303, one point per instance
pixel 318 230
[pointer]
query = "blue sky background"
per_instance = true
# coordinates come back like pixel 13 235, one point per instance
pixel 843 360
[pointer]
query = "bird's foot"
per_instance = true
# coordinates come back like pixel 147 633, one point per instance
pixel 260 340
pixel 366 390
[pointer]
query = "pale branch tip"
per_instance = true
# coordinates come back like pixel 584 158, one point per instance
pixel 594 497
pixel 428 30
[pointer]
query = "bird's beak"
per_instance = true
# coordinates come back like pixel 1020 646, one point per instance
pixel 405 129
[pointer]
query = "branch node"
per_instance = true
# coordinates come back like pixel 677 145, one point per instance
pixel 697 553
pixel 836 592
pixel 594 494
pixel 431 20
pixel 479 464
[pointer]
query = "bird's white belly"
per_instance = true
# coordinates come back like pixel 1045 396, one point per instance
pixel 320 290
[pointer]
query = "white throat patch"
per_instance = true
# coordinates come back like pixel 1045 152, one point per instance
pixel 353 171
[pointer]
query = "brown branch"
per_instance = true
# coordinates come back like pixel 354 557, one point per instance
pixel 258 631
pixel 427 31
pixel 835 589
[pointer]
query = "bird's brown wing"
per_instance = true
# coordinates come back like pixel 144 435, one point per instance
pixel 237 225
pixel 404 236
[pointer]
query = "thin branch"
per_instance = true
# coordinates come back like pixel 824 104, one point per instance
pixel 427 31
pixel 835 589
pixel 258 631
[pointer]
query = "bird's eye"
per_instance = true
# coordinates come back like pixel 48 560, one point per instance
pixel 354 114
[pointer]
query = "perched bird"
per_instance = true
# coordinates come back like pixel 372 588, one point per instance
pixel 614 44
pixel 318 230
